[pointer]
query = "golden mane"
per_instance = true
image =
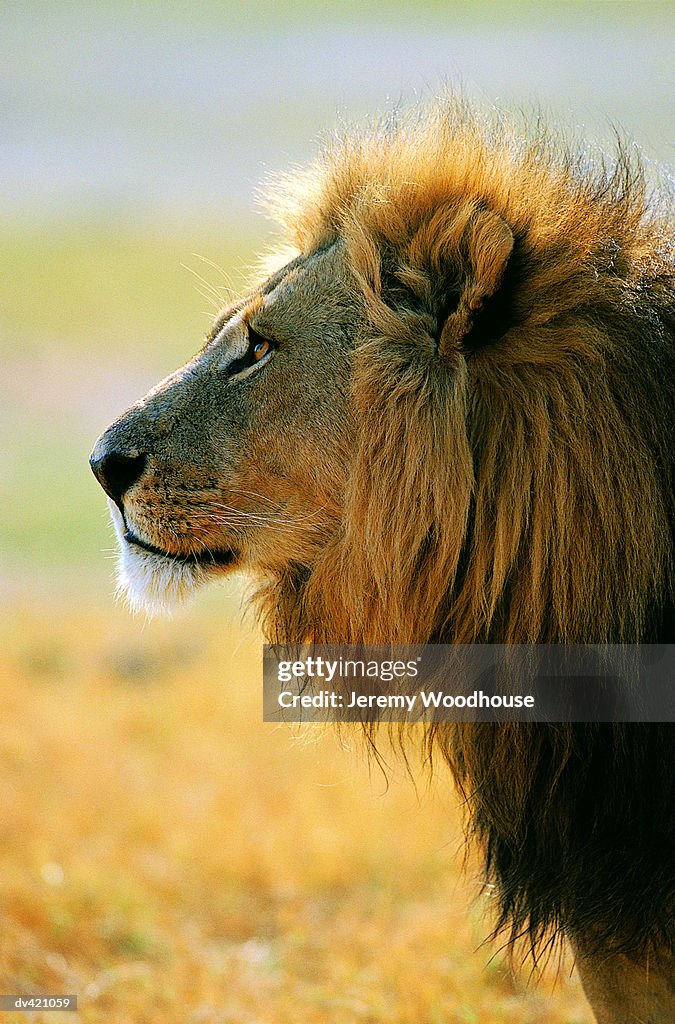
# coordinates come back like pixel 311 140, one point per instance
pixel 513 491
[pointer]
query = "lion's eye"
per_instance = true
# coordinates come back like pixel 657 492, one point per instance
pixel 258 348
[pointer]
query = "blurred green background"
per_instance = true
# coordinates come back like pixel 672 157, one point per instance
pixel 135 135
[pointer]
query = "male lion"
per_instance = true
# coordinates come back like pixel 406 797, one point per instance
pixel 448 418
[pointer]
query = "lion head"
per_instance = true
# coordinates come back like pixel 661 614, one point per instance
pixel 445 417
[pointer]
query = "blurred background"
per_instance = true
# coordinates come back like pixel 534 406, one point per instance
pixel 163 854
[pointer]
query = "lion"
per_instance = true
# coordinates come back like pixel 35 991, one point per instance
pixel 447 418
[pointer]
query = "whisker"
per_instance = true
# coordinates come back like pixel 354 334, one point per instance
pixel 255 494
pixel 211 289
pixel 235 516
pixel 214 303
pixel 226 277
pixel 287 518
pixel 270 517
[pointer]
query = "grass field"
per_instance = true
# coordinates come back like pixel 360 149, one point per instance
pixel 170 858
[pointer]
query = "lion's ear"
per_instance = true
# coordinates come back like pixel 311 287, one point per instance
pixel 485 248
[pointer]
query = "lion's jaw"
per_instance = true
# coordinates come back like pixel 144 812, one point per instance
pixel 151 582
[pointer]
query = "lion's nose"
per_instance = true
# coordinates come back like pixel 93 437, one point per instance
pixel 116 472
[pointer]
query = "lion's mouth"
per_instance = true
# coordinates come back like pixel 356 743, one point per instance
pixel 205 557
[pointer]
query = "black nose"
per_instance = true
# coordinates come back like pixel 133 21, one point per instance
pixel 116 473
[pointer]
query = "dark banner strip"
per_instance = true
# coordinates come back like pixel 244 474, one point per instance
pixel 469 683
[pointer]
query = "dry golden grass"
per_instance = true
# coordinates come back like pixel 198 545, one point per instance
pixel 170 858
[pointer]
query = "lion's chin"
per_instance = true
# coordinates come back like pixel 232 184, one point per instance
pixel 150 582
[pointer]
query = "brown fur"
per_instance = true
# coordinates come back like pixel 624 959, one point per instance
pixel 478 442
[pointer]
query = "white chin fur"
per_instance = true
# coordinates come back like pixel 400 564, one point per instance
pixel 150 583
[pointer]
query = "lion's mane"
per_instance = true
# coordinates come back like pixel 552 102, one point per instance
pixel 513 478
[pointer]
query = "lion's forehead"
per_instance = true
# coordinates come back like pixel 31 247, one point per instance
pixel 301 293
pixel 316 297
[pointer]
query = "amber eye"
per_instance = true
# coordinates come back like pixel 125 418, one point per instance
pixel 260 349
